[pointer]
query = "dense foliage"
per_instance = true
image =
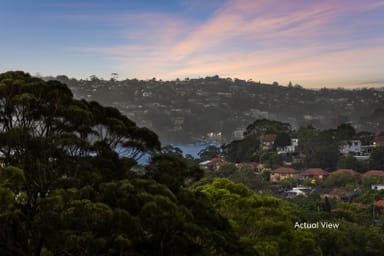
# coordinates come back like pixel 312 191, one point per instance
pixel 316 148
pixel 264 222
pixel 185 111
pixel 70 185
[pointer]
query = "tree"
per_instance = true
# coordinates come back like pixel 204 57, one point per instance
pixel 264 222
pixel 242 150
pixel 349 162
pixel 11 182
pixel 282 140
pixel 271 159
pixel 319 147
pixel 57 140
pixel 368 181
pixel 94 78
pixel 169 170
pixel 171 150
pixel 114 76
pixel 249 178
pixel 350 239
pixel 70 187
pixel 377 159
pixel 365 137
pixel 345 132
pixel 209 152
pixel 226 171
pixel 264 126
pixel 341 180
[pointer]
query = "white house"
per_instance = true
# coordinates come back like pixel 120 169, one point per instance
pixel 352 147
pixel 377 187
pixel 238 134
pixel 291 148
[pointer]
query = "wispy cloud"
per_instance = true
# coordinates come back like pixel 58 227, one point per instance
pixel 306 41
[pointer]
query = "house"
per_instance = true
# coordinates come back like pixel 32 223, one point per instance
pixel 377 187
pixel 256 167
pixel 147 94
pixel 267 141
pixel 327 192
pixel 314 173
pixel 379 203
pixel 214 164
pixel 284 173
pixel 294 145
pixel 298 191
pixel 374 173
pixel 366 150
pixel 178 120
pixel 379 140
pixel 351 147
pixel 238 134
pixel 291 148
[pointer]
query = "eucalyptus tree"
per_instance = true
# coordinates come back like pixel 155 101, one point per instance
pixel 68 186
pixel 56 139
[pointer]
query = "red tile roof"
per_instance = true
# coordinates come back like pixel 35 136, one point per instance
pixel 285 170
pixel 314 172
pixel 379 139
pixel 268 137
pixel 253 165
pixel 374 173
pixel 217 161
pixel 379 203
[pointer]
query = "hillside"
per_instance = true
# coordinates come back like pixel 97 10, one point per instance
pixel 70 185
pixel 214 108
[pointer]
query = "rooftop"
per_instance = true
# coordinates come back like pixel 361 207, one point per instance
pixel 374 173
pixel 314 171
pixel 285 170
pixel 379 203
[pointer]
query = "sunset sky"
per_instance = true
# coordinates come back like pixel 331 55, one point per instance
pixel 327 43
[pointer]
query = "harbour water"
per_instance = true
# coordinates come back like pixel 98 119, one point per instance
pixel 188 149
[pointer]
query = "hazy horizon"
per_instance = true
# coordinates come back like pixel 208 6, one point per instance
pixel 361 85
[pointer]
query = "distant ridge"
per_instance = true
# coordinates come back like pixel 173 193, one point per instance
pixel 213 108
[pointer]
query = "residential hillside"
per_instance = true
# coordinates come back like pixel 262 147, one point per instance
pixel 70 184
pixel 219 109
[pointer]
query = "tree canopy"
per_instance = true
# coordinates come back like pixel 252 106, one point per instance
pixel 262 221
pixel 69 187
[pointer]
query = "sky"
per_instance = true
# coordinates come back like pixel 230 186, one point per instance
pixel 327 43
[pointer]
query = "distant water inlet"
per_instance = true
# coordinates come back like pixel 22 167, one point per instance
pixel 187 149
pixel 193 149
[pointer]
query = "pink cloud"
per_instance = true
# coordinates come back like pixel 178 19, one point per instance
pixel 263 40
